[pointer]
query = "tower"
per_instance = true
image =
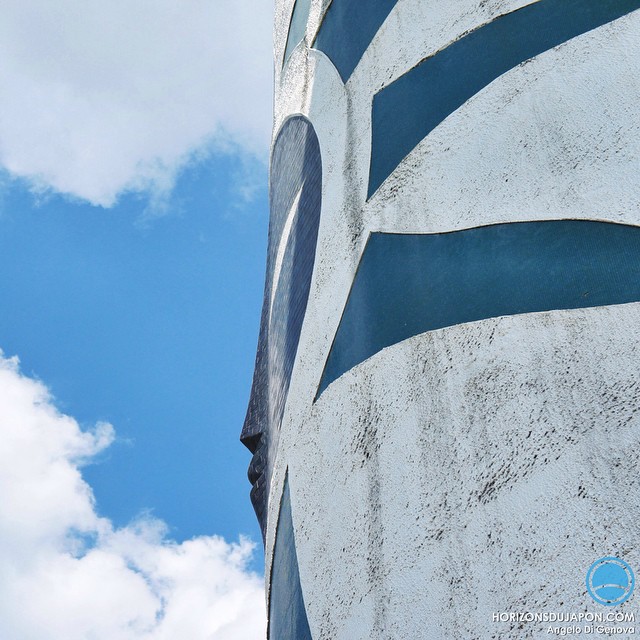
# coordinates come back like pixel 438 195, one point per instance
pixel 444 413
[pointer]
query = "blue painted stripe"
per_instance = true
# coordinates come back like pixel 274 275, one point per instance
pixel 297 27
pixel 287 615
pixel 347 30
pixel 409 284
pixel 410 108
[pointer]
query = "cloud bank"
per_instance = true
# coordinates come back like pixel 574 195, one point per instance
pixel 68 574
pixel 99 98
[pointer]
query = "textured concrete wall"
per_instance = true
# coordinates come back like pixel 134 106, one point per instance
pixel 481 467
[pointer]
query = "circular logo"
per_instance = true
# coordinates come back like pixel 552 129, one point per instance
pixel 610 581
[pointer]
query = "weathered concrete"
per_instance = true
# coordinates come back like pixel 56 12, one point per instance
pixel 483 467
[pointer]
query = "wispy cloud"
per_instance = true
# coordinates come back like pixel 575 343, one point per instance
pixel 99 98
pixel 68 574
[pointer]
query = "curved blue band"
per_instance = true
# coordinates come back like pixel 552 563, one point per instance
pixel 347 30
pixel 409 284
pixel 287 613
pixel 297 27
pixel 407 110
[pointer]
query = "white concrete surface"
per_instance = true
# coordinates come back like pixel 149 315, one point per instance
pixel 481 467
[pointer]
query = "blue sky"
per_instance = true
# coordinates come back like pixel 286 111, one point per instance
pixel 133 224
pixel 151 325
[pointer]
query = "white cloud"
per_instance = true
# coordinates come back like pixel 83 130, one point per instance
pixel 67 574
pixel 97 98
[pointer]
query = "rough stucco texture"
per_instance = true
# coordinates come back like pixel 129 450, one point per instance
pixel 481 467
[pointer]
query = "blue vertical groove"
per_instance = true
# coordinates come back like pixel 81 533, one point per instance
pixel 408 109
pixel 287 614
pixel 409 284
pixel 347 30
pixel 295 168
pixel 297 27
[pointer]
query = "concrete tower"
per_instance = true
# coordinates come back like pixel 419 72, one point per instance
pixel 445 414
